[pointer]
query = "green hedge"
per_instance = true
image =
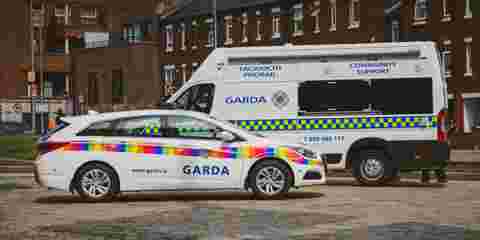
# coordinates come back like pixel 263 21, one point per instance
pixel 20 147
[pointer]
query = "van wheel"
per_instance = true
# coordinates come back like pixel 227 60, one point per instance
pixel 372 167
pixel 96 182
pixel 270 179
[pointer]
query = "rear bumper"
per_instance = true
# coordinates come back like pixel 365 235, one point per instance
pixel 416 155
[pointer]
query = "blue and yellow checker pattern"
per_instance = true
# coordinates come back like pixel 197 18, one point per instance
pixel 363 122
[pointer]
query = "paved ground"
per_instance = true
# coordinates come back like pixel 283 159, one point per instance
pixel 341 210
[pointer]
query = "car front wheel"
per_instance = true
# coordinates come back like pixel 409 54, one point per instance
pixel 96 182
pixel 372 167
pixel 270 179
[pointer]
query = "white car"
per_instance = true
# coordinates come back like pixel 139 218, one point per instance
pixel 101 155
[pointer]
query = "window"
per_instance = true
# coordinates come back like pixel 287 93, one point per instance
pixel 445 11
pixel 421 10
pixel 395 31
pixel 333 15
pixel 316 16
pixel 354 13
pixel 141 127
pixel 92 88
pixel 170 77
pixel 228 30
pixel 259 26
pixel 169 38
pixel 117 86
pixel 380 96
pixel 276 23
pixel 468 9
pixel 298 19
pixel 183 36
pixel 99 129
pixel 195 34
pixel 184 73
pixel 60 14
pixel 48 89
pixel 471 112
pixel 197 98
pixel 188 127
pixel 88 15
pixel 468 57
pixel 211 32
pixel 244 27
pixel 447 59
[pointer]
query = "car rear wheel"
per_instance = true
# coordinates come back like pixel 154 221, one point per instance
pixel 270 179
pixel 372 167
pixel 96 182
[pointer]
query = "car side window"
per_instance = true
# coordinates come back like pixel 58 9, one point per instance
pixel 188 127
pixel 99 129
pixel 197 98
pixel 141 127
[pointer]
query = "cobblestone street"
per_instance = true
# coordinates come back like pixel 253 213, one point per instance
pixel 340 210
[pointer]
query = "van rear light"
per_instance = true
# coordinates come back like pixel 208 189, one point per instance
pixel 46 147
pixel 442 126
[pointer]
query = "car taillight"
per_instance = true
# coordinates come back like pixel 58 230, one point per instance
pixel 46 147
pixel 442 126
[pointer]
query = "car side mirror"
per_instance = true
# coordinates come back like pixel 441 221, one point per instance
pixel 225 136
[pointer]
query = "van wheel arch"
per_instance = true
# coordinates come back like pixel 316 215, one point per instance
pixel 247 179
pixel 364 144
pixel 72 182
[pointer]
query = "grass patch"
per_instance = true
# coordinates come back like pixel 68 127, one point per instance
pixel 20 147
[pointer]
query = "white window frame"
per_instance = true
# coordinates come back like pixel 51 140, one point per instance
pixel 297 19
pixel 468 57
pixel 352 14
pixel 244 27
pixel 333 15
pixel 316 15
pixel 446 15
pixel 169 38
pixel 468 9
pixel 447 45
pixel 183 34
pixel 420 20
pixel 228 30
pixel 169 75
pixel 184 73
pixel 88 15
pixel 276 22
pixel 211 33
pixel 395 26
pixel 194 40
pixel 259 26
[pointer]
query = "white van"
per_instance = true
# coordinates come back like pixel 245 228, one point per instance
pixel 374 108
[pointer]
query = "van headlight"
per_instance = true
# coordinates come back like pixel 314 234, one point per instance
pixel 305 152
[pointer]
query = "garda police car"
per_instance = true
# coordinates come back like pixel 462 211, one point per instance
pixel 99 155
pixel 373 108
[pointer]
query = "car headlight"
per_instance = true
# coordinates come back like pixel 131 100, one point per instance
pixel 305 152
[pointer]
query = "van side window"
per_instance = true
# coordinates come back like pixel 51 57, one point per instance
pixel 403 95
pixel 377 96
pixel 197 98
pixel 340 95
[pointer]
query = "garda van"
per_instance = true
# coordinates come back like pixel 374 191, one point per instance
pixel 375 108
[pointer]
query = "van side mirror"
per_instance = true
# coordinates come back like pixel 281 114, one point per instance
pixel 225 136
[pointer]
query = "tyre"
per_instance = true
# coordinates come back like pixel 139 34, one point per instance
pixel 96 182
pixel 373 167
pixel 270 179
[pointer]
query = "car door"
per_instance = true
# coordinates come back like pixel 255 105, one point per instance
pixel 141 149
pixel 205 161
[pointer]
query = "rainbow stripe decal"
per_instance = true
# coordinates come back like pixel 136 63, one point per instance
pixel 225 152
